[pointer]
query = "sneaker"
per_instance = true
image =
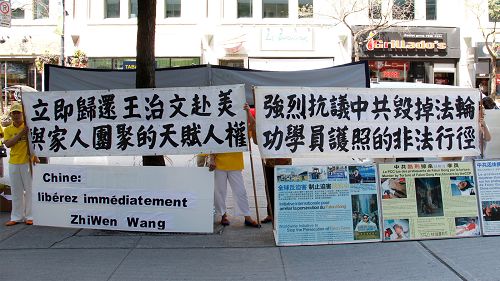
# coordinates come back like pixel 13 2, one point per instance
pixel 11 223
pixel 29 222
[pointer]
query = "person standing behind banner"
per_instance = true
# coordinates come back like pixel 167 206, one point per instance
pixel 228 167
pixel 16 138
pixel 268 167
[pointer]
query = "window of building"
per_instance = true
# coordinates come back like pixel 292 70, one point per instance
pixel 430 10
pixel 305 9
pixel 112 9
pixel 245 9
pixel 41 9
pixel 403 9
pixel 275 8
pixel 172 8
pixel 494 11
pixel 375 9
pixel 132 9
pixel 232 63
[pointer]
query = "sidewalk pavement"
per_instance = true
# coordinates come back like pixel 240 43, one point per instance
pixel 234 252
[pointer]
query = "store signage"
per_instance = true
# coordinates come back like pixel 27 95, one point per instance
pixel 287 39
pixel 407 41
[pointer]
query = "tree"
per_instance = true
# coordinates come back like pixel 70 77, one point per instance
pixel 381 15
pixel 489 32
pixel 145 71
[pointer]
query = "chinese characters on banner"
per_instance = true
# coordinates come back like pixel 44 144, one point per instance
pixel 326 204
pixel 488 182
pixel 138 121
pixel 386 123
pixel 428 200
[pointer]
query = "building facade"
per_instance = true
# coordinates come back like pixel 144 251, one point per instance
pixel 434 41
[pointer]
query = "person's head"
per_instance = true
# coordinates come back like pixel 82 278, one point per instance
pixel 489 103
pixel 355 172
pixel 398 229
pixel 16 113
pixel 388 232
pixel 472 220
pixel 463 185
pixel 487 211
pixel 366 218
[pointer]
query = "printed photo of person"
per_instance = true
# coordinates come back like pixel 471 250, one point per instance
pixel 362 174
pixel 429 197
pixel 491 210
pixel 463 185
pixel 317 174
pixel 466 226
pixel 393 188
pixel 396 229
pixel 365 219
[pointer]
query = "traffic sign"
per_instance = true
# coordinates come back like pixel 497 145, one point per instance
pixel 5 13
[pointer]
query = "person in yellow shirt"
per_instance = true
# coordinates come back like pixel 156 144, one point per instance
pixel 228 167
pixel 16 138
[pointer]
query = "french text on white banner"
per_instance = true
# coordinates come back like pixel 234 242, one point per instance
pixel 155 199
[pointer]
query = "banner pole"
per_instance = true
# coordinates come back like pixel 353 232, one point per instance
pixel 28 138
pixel 268 198
pixel 253 174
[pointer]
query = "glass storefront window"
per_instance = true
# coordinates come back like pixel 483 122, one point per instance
pixel 100 63
pixel 389 70
pixel 117 63
pixel 175 62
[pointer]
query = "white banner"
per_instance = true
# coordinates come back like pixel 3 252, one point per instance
pixel 381 123
pixel 155 199
pixel 137 122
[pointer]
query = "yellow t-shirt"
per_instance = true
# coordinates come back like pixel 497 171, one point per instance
pixel 232 161
pixel 19 151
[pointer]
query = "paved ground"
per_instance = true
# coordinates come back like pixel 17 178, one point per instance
pixel 235 252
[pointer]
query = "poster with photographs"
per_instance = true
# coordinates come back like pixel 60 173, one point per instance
pixel 428 200
pixel 326 204
pixel 488 185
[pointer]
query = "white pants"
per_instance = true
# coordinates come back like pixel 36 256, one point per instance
pixel 235 179
pixel 20 185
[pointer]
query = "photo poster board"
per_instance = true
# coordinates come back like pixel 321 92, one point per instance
pixel 428 200
pixel 488 186
pixel 325 204
pixel 161 121
pixel 369 123
pixel 149 199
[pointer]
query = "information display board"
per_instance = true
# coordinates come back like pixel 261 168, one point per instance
pixel 152 199
pixel 488 185
pixel 428 200
pixel 326 204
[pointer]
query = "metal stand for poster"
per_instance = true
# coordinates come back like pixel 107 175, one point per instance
pixel 253 183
